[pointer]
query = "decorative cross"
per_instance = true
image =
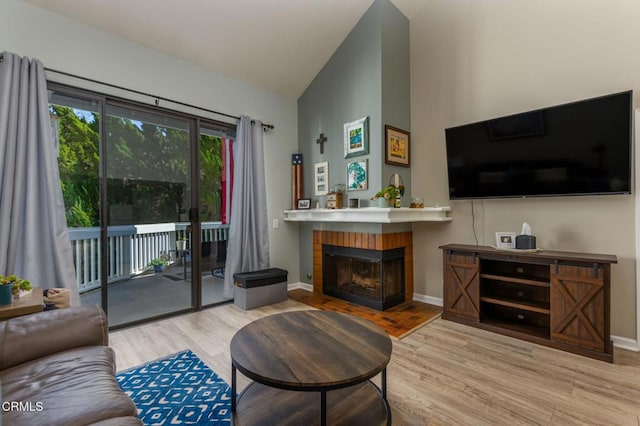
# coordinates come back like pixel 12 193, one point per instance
pixel 321 141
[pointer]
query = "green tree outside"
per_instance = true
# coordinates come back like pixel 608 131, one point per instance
pixel 147 169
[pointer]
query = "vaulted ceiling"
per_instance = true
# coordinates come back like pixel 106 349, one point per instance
pixel 279 45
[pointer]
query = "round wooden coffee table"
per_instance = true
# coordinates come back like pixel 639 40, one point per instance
pixel 311 367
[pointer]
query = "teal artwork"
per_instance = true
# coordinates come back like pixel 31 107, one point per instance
pixel 357 175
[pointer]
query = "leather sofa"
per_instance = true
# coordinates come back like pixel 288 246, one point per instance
pixel 56 369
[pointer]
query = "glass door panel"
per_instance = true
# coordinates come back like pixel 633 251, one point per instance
pixel 148 175
pixel 214 189
pixel 76 129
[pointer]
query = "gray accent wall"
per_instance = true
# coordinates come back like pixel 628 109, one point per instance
pixel 396 87
pixel 367 76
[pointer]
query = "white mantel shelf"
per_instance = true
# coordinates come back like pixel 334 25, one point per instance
pixel 370 215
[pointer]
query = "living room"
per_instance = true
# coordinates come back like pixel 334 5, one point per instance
pixel 469 61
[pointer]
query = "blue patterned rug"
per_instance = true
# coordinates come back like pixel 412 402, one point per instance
pixel 178 390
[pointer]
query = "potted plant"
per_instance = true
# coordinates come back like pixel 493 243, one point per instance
pixel 158 264
pixel 386 196
pixel 181 244
pixel 10 286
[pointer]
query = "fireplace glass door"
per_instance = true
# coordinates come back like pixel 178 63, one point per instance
pixel 371 278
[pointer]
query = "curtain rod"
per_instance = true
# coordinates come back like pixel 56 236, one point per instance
pixel 265 126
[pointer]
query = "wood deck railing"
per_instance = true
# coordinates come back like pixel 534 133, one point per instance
pixel 131 248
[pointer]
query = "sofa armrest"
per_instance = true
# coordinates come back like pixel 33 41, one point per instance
pixel 33 336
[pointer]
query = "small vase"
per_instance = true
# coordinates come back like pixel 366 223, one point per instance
pixel 6 294
pixel 383 202
pixel 158 268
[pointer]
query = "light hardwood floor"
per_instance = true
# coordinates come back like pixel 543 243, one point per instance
pixel 442 374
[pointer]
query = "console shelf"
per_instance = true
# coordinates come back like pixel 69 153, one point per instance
pixel 523 331
pixel 525 281
pixel 558 299
pixel 530 306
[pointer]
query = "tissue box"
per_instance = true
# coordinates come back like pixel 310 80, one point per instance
pixel 525 242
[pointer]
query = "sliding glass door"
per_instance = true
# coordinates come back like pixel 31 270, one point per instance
pixel 147 197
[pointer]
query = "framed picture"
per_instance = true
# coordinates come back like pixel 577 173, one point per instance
pixel 397 146
pixel 356 138
pixel 304 203
pixel 321 178
pixel 357 175
pixel 506 240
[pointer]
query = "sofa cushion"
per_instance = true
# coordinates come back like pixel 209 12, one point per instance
pixel 74 387
pixel 28 337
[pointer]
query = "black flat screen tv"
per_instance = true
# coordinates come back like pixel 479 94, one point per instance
pixel 580 148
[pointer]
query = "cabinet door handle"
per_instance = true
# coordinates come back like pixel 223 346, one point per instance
pixel 557 263
pixel 595 270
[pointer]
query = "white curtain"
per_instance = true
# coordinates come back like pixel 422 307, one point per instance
pixel 248 246
pixel 34 243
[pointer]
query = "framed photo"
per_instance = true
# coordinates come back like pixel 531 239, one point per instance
pixel 357 175
pixel 321 178
pixel 356 138
pixel 397 146
pixel 304 203
pixel 506 240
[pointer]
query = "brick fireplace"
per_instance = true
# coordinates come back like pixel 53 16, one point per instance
pixel 387 247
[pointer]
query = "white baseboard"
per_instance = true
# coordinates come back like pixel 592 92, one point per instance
pixel 299 284
pixel 625 343
pixel 436 301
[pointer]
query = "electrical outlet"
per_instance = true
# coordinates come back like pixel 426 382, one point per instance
pixel 276 223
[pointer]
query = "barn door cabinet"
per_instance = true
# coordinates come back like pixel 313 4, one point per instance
pixel 558 299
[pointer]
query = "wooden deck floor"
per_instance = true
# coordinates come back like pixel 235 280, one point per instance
pixel 153 294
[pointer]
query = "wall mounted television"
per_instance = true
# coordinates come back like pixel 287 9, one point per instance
pixel 580 148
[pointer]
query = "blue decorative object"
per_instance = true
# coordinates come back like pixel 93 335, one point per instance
pixel 179 389
pixel 6 294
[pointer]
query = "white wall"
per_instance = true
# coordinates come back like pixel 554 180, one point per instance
pixel 473 60
pixel 67 45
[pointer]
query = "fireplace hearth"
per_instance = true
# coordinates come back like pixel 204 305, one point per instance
pixel 373 278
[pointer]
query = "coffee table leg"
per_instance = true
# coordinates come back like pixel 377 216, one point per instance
pixel 233 388
pixel 323 408
pixel 384 383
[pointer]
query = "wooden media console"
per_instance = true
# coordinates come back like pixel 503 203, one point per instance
pixel 554 298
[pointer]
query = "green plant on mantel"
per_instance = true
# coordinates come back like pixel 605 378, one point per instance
pixel 19 284
pixel 389 192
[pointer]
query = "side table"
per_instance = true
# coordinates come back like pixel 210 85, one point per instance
pixel 27 304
